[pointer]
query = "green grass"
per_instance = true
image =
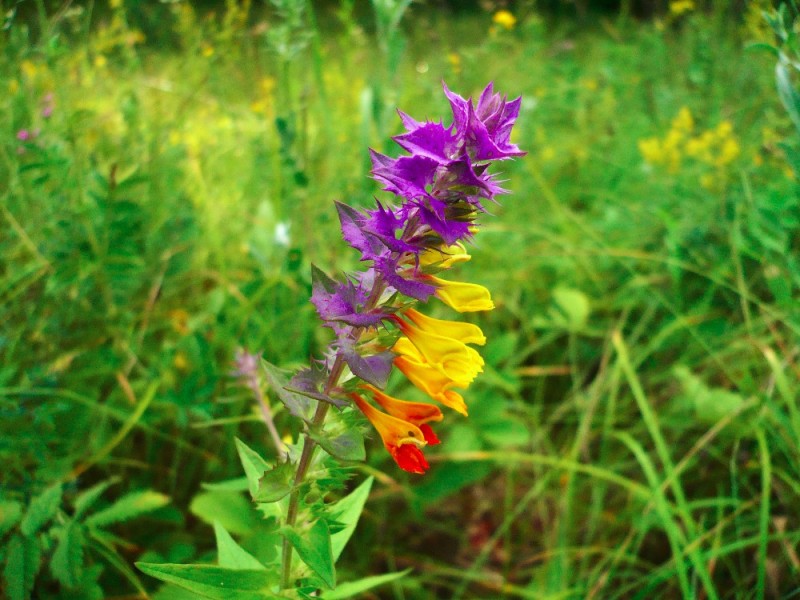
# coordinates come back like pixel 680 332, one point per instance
pixel 635 434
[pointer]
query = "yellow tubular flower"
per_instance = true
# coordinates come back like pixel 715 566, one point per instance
pixel 466 332
pixel 451 357
pixel 444 257
pixel 426 378
pixel 463 297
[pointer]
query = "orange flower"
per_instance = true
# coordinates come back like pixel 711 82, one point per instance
pixel 416 413
pixel 401 439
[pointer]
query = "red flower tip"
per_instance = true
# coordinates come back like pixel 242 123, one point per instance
pixel 430 436
pixel 409 458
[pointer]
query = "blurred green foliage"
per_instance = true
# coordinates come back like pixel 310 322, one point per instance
pixel 167 173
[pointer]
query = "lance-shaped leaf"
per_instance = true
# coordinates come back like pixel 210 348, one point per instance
pixel 67 561
pixel 253 464
pixel 340 437
pixel 129 506
pixel 351 589
pixel 10 514
pixel 265 482
pixel 211 581
pixel 41 510
pixel 298 405
pixel 347 445
pixel 275 483
pixel 314 548
pixel 231 555
pixel 347 512
pixel 23 561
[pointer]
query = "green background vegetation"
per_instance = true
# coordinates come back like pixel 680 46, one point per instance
pixel 635 434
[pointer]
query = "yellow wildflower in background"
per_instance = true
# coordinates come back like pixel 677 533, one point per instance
pixel 713 149
pixel 680 7
pixel 504 19
pixel 683 122
pixel 454 58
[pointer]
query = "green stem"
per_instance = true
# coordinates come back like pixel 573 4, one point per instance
pixel 309 444
pixel 302 469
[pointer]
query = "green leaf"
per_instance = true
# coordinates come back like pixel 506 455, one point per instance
pixel 230 554
pixel 23 560
pixel 314 549
pixel 347 511
pixel 572 308
pixel 86 499
pixel 761 46
pixel 41 510
pixel 10 513
pixel 219 583
pixel 347 445
pixel 348 590
pixel 233 511
pixel 299 405
pixel 710 405
pixel 240 484
pixel 253 464
pixel 67 562
pixel 275 483
pixel 341 436
pixel 788 95
pixel 129 506
pixel 106 549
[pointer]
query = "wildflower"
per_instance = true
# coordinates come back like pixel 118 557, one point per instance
pixel 416 413
pixel 504 19
pixel 426 378
pixel 442 184
pixel 463 297
pixel 714 148
pixel 445 257
pixel 179 319
pixel 450 356
pixel 455 61
pixel 683 121
pixel 282 234
pixel 180 362
pixel 465 332
pixel 48 105
pixel 400 438
pixel 680 7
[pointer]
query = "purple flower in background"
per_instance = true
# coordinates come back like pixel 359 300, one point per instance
pixel 48 105
pixel 23 135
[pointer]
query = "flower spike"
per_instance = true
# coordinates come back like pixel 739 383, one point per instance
pixel 441 183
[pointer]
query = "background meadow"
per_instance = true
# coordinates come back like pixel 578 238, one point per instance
pixel 167 177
